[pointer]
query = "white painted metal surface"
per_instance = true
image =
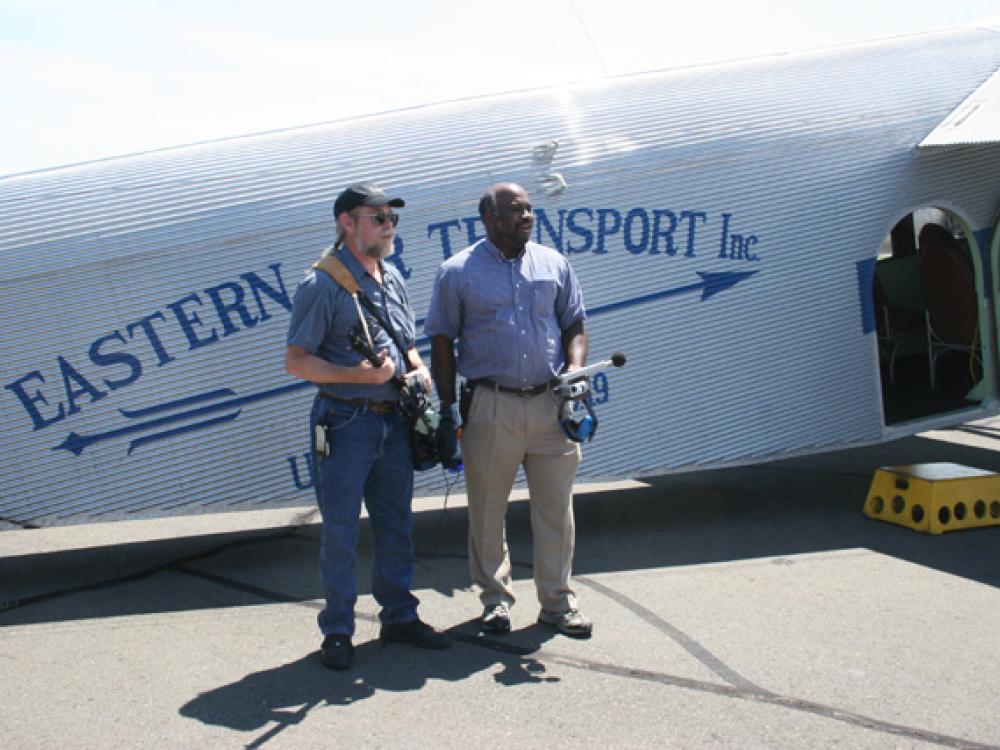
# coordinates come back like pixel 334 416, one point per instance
pixel 719 218
pixel 975 121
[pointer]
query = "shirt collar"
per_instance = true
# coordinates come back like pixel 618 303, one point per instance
pixel 355 267
pixel 497 255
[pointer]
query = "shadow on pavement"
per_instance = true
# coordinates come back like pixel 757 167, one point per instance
pixel 284 695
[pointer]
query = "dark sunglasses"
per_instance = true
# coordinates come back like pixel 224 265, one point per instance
pixel 381 217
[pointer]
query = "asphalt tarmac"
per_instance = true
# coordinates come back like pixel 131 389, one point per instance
pixel 739 608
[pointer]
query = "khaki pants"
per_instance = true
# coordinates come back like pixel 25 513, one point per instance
pixel 503 432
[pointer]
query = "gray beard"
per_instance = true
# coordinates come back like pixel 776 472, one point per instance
pixel 380 251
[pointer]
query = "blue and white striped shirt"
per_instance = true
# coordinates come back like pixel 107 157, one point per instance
pixel 508 315
pixel 323 313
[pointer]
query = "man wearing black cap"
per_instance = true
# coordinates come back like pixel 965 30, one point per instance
pixel 361 443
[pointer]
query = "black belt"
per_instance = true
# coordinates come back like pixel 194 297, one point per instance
pixel 526 392
pixel 375 407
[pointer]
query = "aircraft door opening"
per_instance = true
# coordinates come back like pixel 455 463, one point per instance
pixel 927 290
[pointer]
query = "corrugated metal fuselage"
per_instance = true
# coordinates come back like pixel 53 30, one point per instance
pixel 724 222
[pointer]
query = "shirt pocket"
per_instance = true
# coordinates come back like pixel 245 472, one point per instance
pixel 543 297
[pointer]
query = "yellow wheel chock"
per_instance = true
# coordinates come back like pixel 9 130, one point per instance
pixel 935 497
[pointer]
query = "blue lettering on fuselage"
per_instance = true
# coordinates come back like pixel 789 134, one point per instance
pixel 118 359
pixel 639 231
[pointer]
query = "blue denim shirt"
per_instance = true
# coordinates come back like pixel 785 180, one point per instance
pixel 323 312
pixel 508 315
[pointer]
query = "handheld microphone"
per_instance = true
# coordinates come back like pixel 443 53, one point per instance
pixel 617 360
pixel 574 384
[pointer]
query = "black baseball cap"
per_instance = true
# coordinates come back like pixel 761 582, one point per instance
pixel 364 194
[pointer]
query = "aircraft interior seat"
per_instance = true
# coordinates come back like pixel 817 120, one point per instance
pixel 949 291
pixel 899 309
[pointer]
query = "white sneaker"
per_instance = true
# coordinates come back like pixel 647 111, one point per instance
pixel 570 622
pixel 496 618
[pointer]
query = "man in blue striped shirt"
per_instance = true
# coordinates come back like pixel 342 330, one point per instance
pixel 516 309
pixel 361 443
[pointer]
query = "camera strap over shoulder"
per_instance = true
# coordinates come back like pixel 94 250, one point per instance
pixel 336 270
pixel 414 404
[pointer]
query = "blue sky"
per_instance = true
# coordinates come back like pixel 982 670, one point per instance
pixel 94 78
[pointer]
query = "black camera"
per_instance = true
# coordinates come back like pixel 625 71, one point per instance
pixel 424 440
pixel 415 406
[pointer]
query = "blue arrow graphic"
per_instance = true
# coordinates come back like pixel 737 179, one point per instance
pixel 710 285
pixel 139 413
pixel 76 443
pixel 138 442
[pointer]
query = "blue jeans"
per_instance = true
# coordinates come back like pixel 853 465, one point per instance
pixel 369 458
